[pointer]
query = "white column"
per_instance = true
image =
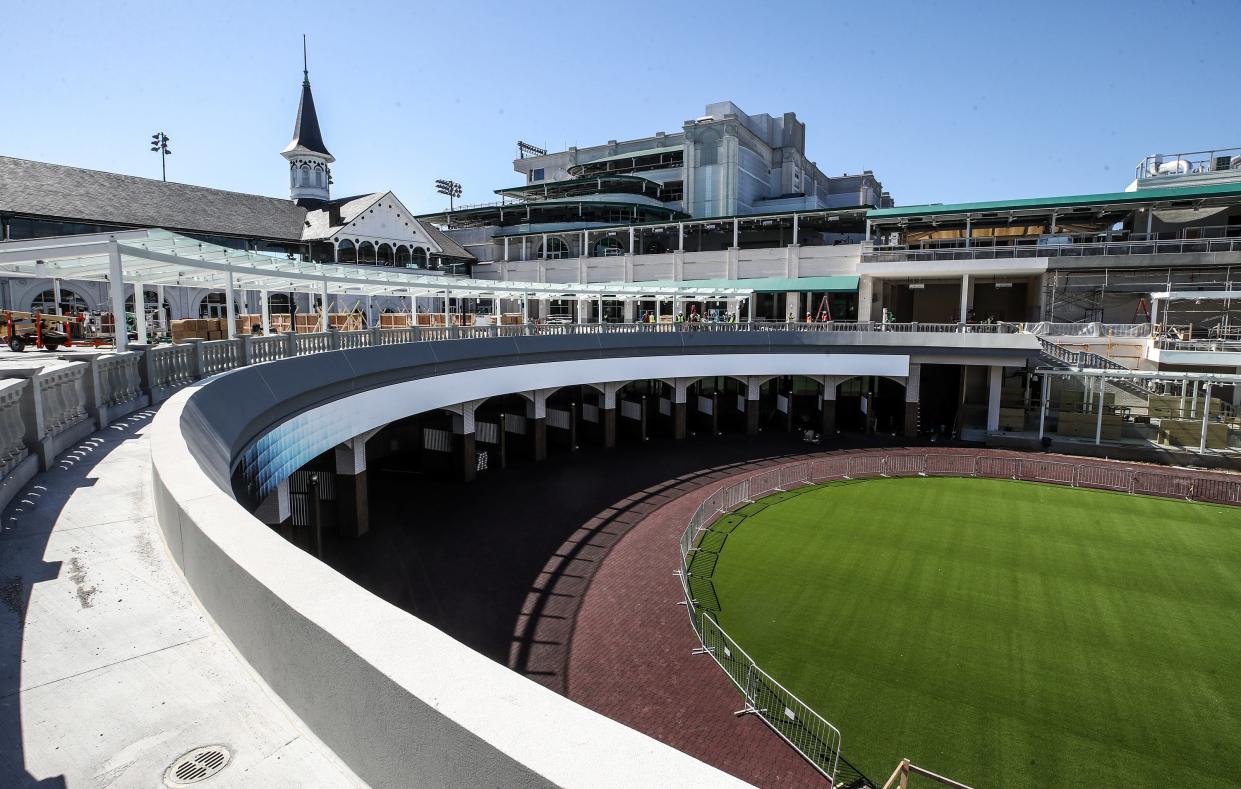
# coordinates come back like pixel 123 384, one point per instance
pixel 1236 396
pixel 140 313
pixel 736 232
pixel 749 308
pixel 447 299
pixel 525 308
pixel 965 297
pixel 632 249
pixel 265 311
pixel 506 249
pixel 56 295
pixel 1206 413
pixel 1193 403
pixel 230 313
pixel 543 253
pixel 867 230
pixel 993 398
pixel 324 322
pixel 116 290
pixel 1098 422
pixel 969 225
pixel 585 244
pixel 1042 406
pixel 795 230
pixel 159 305
pixel 680 236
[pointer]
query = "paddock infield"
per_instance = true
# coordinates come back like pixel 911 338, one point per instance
pixel 1002 633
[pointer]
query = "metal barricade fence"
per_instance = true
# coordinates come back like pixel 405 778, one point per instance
pixel 829 468
pixel 906 465
pixel 865 466
pixel 1104 478
pixel 1047 471
pixel 1159 484
pixel 997 467
pixel 950 465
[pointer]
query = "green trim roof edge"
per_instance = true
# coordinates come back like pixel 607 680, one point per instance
pixel 1068 201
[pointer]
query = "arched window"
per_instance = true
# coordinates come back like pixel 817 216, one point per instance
pixel 292 175
pixel 305 175
pixel 213 306
pixel 383 255
pixel 346 252
pixel 608 247
pixel 419 257
pixel 318 176
pixel 70 302
pixel 366 252
pixel 556 249
pixel 278 303
pixel 402 257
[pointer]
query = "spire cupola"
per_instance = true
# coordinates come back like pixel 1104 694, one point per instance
pixel 310 177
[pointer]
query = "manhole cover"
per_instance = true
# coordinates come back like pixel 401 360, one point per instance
pixel 197 765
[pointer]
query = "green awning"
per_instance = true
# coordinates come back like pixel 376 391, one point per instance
pixel 634 155
pixel 833 284
pixel 1161 194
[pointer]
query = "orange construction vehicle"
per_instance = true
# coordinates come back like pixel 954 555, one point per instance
pixel 33 328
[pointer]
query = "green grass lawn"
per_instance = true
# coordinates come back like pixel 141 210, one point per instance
pixel 1006 634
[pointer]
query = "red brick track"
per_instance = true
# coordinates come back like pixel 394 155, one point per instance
pixel 630 656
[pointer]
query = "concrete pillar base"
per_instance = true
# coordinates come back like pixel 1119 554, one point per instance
pixel 465 458
pixel 911 420
pixel 538 438
pixel 607 417
pixel 678 421
pixel 352 505
pixel 751 417
pixel 828 418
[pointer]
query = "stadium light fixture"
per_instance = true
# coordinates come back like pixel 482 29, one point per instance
pixel 159 143
pixel 450 188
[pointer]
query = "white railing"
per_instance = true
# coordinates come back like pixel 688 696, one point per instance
pixel 64 399
pixel 12 428
pixel 120 378
pixel 803 728
pixel 268 349
pixel 219 355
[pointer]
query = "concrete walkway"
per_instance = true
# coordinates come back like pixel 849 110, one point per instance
pixel 109 670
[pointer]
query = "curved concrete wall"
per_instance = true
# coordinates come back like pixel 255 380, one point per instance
pixel 400 702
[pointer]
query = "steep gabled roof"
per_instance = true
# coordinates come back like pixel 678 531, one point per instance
pixel 306 134
pixel 318 220
pixel 41 189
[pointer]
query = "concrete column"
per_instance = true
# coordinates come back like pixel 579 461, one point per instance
pixel 352 502
pixel 966 297
pixel 116 290
pixel 792 307
pixel 993 397
pixel 265 310
pixel 752 405
pixel 325 323
pixel 913 393
pixel 536 425
pixel 827 412
pixel 865 294
pixel 140 313
pixel 680 237
pixel 276 509
pixel 464 455
pixel 679 390
pixel 1236 396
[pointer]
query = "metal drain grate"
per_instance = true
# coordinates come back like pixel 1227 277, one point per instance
pixel 197 765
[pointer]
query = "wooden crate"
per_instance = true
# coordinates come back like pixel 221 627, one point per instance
pixel 394 320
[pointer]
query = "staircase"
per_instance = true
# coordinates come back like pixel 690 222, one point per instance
pixel 1058 356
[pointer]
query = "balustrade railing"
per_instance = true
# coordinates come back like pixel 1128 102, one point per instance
pixel 12 427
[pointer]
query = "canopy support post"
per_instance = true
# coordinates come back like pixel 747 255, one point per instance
pixel 140 312
pixel 230 312
pixel 116 291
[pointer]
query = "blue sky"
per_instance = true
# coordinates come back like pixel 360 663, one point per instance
pixel 945 101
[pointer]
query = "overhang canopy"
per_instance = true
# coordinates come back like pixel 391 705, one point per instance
pixel 159 257
pixel 1045 204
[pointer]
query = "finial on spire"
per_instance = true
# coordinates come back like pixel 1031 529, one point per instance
pixel 305 63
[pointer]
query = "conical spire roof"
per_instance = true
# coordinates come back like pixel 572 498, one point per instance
pixel 306 134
